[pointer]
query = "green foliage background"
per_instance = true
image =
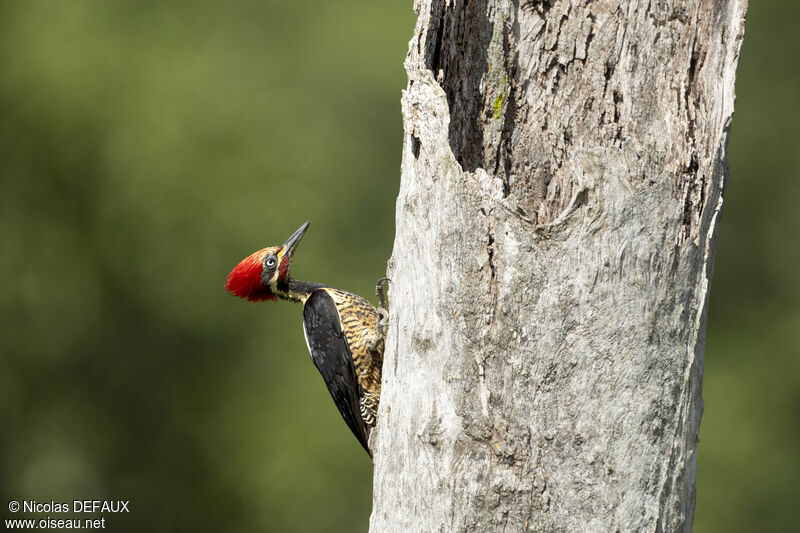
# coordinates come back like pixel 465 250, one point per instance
pixel 146 147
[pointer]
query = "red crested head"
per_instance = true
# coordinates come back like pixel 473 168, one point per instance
pixel 245 280
pixel 264 275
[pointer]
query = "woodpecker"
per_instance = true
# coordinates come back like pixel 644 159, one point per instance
pixel 343 331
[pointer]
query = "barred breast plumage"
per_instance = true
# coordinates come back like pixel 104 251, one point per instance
pixel 359 322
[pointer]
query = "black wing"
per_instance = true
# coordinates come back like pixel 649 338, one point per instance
pixel 331 354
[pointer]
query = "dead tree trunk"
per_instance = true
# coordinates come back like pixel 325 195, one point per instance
pixel 562 179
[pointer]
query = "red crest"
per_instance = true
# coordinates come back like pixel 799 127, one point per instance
pixel 244 281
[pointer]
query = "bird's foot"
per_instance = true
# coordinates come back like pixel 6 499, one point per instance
pixel 379 291
pixel 383 314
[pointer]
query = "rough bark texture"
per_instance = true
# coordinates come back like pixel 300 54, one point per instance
pixel 562 179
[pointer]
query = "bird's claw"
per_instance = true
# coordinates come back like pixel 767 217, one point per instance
pixel 383 314
pixel 379 291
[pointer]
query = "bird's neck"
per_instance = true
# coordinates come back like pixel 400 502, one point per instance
pixel 296 291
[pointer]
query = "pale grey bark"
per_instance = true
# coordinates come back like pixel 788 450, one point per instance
pixel 562 179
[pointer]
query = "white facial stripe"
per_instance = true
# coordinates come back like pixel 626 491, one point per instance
pixel 273 282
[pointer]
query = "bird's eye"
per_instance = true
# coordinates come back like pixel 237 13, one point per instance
pixel 271 262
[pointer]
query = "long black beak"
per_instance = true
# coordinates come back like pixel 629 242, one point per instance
pixel 292 242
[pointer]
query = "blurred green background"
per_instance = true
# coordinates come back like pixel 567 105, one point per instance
pixel 146 147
